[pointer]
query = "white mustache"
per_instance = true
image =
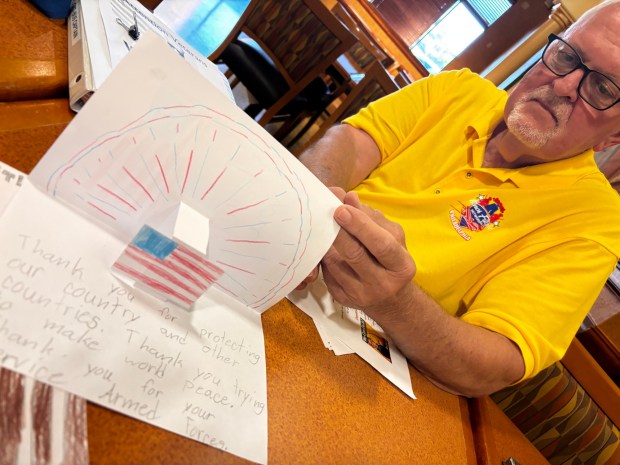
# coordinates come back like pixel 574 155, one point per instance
pixel 558 106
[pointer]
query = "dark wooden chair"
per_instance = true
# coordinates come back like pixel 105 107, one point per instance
pixel 366 50
pixel 376 83
pixel 279 51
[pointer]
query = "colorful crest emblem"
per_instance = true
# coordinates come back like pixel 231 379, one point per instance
pixel 483 212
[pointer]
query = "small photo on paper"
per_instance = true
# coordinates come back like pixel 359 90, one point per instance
pixel 375 340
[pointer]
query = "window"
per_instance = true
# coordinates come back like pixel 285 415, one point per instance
pixel 455 30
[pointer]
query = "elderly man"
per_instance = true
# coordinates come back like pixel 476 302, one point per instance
pixel 494 231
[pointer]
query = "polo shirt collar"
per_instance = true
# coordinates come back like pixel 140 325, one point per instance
pixel 558 173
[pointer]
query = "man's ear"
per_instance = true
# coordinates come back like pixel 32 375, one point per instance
pixel 614 139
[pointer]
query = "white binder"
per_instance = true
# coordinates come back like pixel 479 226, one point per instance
pixel 81 85
pixel 89 59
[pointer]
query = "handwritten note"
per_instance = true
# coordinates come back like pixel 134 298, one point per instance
pixel 37 420
pixel 157 134
pixel 67 322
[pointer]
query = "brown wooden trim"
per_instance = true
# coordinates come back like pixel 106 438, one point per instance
pixel 485 447
pixel 468 432
pixel 603 350
pixel 593 379
pixel 497 438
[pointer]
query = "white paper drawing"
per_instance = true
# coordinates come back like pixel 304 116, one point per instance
pixel 260 223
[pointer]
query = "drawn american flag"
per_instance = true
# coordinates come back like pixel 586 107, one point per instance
pixel 166 268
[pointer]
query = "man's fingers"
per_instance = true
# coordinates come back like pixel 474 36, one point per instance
pixel 314 274
pixel 351 198
pixel 338 192
pixel 379 241
pixel 336 288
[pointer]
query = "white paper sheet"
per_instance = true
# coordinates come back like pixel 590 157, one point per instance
pixel 171 137
pixel 99 54
pixel 154 135
pixel 346 330
pixel 66 321
pixel 61 427
pixel 10 182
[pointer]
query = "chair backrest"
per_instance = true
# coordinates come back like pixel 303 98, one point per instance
pixel 365 51
pixel 402 77
pixel 376 83
pixel 301 37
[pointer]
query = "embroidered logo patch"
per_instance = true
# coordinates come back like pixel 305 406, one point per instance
pixel 481 213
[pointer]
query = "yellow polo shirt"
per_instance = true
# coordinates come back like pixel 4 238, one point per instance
pixel 522 252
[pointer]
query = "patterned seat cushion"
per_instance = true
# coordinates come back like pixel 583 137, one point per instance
pixel 561 420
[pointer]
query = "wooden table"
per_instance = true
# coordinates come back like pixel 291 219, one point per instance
pixel 322 408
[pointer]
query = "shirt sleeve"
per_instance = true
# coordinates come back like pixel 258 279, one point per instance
pixel 541 299
pixel 391 120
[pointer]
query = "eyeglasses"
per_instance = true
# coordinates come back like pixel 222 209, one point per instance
pixel 595 88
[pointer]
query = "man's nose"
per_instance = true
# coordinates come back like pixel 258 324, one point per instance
pixel 568 86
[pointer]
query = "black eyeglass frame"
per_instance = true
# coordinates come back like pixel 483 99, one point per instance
pixel 552 38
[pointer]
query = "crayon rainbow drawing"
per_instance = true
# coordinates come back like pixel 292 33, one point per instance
pixel 234 176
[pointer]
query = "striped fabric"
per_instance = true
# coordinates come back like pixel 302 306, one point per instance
pixel 293 33
pixel 40 424
pixel 561 420
pixel 361 55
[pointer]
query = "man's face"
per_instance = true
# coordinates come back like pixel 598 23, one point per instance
pixel 545 112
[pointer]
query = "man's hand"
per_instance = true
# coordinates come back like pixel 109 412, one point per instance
pixel 368 266
pixel 313 276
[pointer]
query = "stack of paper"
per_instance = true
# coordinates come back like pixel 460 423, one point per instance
pixel 347 330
